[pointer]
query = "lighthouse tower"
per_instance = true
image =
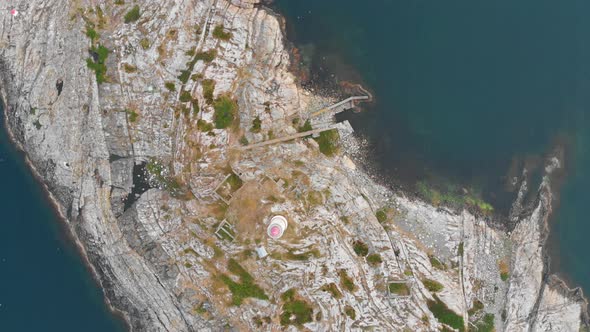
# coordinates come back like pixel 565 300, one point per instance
pixel 276 228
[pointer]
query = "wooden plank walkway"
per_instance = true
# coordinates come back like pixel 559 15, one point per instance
pixel 287 138
pixel 342 104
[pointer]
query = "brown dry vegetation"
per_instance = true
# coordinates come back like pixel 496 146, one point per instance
pixel 248 209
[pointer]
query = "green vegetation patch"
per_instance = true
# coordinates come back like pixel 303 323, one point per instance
pixel 486 324
pixel 477 307
pixel 306 126
pixel 145 43
pixel 220 33
pixel 360 248
pixel 129 68
pixel 234 182
pixel 245 288
pixel 204 126
pixel 206 56
pixel 225 110
pixel 504 276
pixel 195 105
pixel 305 256
pixel 460 249
pixel 295 310
pixel 91 33
pixel 381 215
pixel 185 97
pixel 332 289
pixel 437 264
pixel 449 196
pixel 346 282
pixel 374 259
pixel 184 76
pixel 432 285
pixel 445 315
pixel 244 141
pixel 158 177
pixel 132 15
pixel 399 288
pixel 256 125
pixel 100 54
pixel 350 312
pixel 328 142
pixel 208 89
pixel 132 115
pixel 170 86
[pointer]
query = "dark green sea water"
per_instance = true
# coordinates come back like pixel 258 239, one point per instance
pixel 44 285
pixel 462 87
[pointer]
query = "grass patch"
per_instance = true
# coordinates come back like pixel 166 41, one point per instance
pixel 132 115
pixel 381 216
pixel 208 89
pixel 206 56
pixel 204 126
pixel 445 315
pixel 184 76
pixel 460 250
pixel 290 255
pixel 245 288
pixel 332 289
pixel 436 263
pixel 170 86
pixel 432 285
pixel 234 182
pixel 360 248
pixel 328 142
pixel 398 288
pixel 195 105
pixel 129 68
pixel 306 126
pixel 349 311
pixel 225 109
pixel 504 270
pixel 346 282
pixel 185 97
pixel 145 43
pixel 477 307
pixel 219 33
pixel 91 33
pixel 244 141
pixel 256 125
pixel 374 259
pixel 295 311
pixel 132 15
pixel 100 54
pixel 486 324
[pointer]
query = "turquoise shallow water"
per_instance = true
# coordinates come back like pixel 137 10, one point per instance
pixel 462 87
pixel 44 285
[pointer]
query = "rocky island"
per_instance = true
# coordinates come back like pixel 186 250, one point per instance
pixel 170 133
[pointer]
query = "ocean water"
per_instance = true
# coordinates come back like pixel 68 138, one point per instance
pixel 44 284
pixel 461 89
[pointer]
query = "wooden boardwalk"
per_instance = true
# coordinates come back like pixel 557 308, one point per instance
pixel 335 108
pixel 341 106
pixel 287 138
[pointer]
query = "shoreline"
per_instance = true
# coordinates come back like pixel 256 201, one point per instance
pixel 60 216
